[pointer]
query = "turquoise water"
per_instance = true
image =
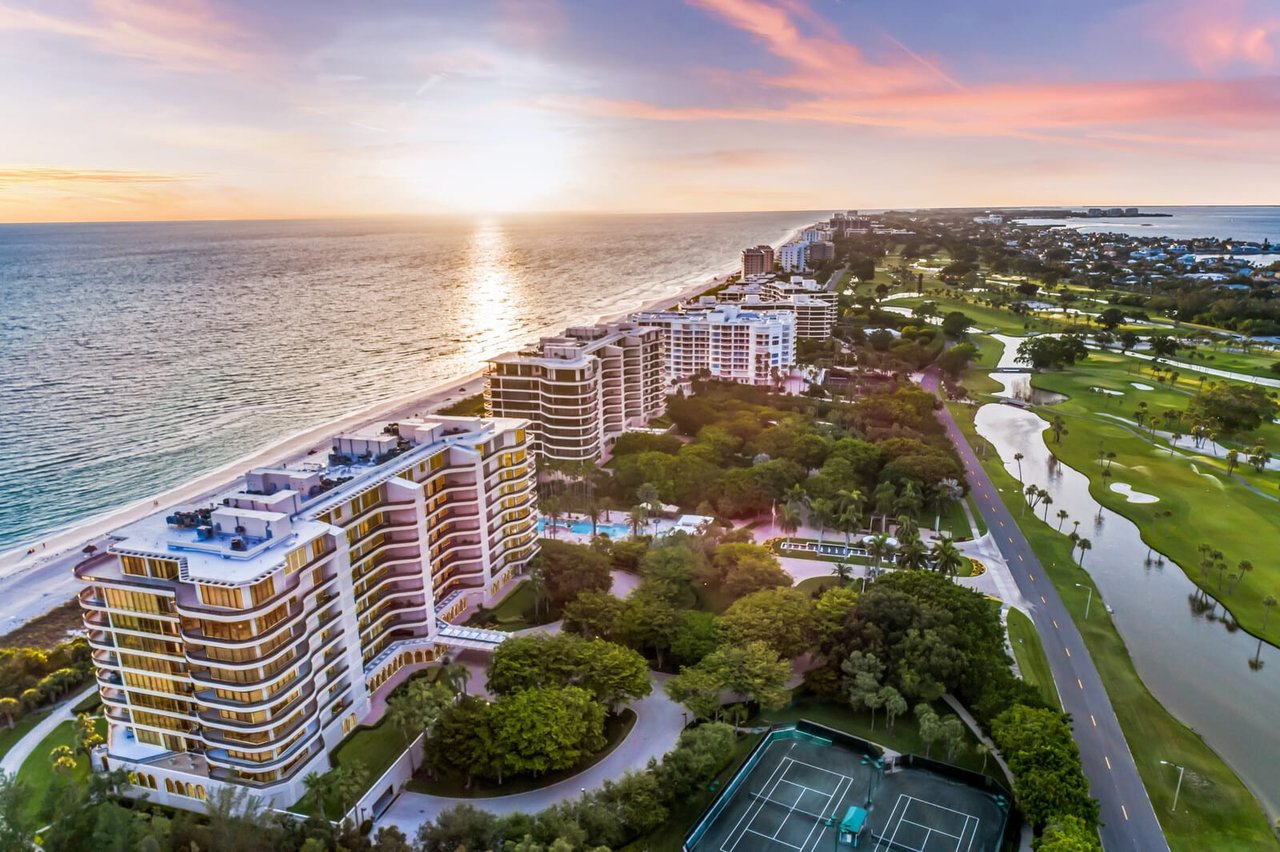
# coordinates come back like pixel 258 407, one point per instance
pixel 613 531
pixel 134 357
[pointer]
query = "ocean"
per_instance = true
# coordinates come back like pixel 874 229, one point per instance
pixel 134 357
pixel 1253 224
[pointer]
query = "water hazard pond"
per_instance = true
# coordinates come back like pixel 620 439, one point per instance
pixel 1206 674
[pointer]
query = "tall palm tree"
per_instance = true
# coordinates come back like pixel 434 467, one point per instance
pixel 455 675
pixel 637 515
pixel 885 496
pixel 1062 517
pixel 1083 544
pixel 849 522
pixel 1244 566
pixel 821 513
pixel 788 519
pixel 851 500
pixel 945 492
pixel 913 554
pixel 910 500
pixel 946 559
pixel 1018 457
pixel 878 549
pixel 1046 499
pixel 1268 603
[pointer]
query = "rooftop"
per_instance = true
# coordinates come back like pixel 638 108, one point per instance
pixel 245 532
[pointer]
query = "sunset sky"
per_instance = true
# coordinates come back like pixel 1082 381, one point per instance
pixel 158 109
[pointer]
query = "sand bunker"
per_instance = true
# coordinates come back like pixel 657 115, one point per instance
pixel 1107 391
pixel 1131 495
pixel 1141 386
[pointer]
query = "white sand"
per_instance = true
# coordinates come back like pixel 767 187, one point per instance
pixel 1107 391
pixel 1141 386
pixel 1131 495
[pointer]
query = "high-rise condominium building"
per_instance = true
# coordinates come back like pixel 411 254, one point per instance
pixel 757 260
pixel 794 257
pixel 796 285
pixel 726 341
pixel 237 641
pixel 580 390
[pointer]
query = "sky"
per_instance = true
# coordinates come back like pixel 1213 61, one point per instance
pixel 210 109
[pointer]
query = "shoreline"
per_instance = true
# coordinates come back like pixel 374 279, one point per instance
pixel 60 542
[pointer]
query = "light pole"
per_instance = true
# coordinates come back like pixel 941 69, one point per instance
pixel 1088 601
pixel 1178 789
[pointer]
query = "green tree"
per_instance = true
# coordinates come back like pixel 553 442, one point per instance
pixel 698 689
pixel 1067 834
pixel 546 728
pixel 594 614
pixel 611 673
pixel 946 559
pixel 740 568
pixel 784 619
pixel 754 671
pixel 417 707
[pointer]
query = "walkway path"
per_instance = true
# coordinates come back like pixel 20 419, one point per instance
pixel 659 721
pixel 1129 821
pixel 22 749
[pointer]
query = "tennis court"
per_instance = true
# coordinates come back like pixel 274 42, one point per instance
pixel 789 803
pixel 917 825
pixel 795 790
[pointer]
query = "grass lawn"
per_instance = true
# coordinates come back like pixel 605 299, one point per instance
pixel 984 317
pixel 10 737
pixel 376 747
pixel 1219 813
pixel 669 837
pixel 817 584
pixel 1186 481
pixel 514 612
pixel 616 729
pixel 36 771
pixel 1030 655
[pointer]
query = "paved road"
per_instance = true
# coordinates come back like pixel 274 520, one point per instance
pixel 1129 821
pixel 659 721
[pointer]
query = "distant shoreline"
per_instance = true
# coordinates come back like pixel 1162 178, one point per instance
pixel 291 449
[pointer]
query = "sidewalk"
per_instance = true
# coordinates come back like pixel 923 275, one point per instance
pixel 22 749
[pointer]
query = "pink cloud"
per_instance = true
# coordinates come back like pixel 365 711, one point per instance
pixel 832 83
pixel 183 35
pixel 1214 35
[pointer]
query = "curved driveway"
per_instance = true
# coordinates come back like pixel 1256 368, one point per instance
pixel 1129 821
pixel 659 721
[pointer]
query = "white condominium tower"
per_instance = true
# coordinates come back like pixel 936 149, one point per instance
pixel 727 342
pixel 238 640
pixel 580 390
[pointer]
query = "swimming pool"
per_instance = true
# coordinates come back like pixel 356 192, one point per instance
pixel 613 531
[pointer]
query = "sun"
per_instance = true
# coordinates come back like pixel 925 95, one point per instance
pixel 515 166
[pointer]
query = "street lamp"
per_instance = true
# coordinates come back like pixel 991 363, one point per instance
pixel 1087 602
pixel 1178 789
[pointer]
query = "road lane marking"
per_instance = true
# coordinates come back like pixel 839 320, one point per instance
pixel 1079 683
pixel 1002 523
pixel 1055 623
pixel 1032 576
pixel 1068 650
pixel 1093 719
pixel 1020 559
pixel 1011 539
pixel 1125 811
pixel 1043 601
pixel 1108 760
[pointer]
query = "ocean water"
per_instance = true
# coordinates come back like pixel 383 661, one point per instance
pixel 1254 224
pixel 134 357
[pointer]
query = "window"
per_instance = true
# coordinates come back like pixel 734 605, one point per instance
pixel 135 565
pixel 138 601
pixel 164 569
pixel 263 590
pixel 219 596
pixel 295 559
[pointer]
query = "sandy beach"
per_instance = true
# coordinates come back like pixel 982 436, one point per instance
pixel 33 575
